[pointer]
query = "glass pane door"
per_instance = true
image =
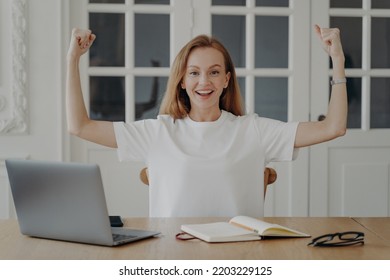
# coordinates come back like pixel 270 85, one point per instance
pixel 366 37
pixel 338 187
pixel 260 54
pixel 129 61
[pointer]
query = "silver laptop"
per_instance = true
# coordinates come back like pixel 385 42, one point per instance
pixel 65 201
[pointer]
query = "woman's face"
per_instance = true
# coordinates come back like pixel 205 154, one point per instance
pixel 205 79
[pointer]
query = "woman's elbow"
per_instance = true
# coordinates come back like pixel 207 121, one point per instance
pixel 342 131
pixel 74 130
pixel 338 131
pixel 77 127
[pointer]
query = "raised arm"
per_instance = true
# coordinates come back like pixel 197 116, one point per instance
pixel 79 124
pixel 335 123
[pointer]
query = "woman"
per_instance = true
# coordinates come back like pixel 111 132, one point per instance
pixel 203 154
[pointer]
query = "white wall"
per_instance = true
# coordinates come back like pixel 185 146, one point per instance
pixel 44 136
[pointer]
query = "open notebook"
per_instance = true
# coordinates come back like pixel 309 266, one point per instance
pixel 240 228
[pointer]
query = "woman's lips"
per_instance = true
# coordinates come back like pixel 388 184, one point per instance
pixel 204 92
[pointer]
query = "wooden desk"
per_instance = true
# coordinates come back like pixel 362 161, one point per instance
pixel 13 245
pixel 381 226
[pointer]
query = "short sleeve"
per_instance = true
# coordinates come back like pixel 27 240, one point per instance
pixel 277 138
pixel 133 140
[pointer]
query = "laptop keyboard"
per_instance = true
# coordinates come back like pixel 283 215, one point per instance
pixel 120 237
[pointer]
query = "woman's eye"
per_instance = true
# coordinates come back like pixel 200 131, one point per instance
pixel 193 73
pixel 214 72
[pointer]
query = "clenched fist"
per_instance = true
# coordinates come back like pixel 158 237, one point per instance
pixel 80 42
pixel 330 40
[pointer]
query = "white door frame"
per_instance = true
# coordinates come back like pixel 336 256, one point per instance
pixel 353 170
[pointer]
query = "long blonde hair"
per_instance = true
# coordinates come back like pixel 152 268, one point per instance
pixel 176 102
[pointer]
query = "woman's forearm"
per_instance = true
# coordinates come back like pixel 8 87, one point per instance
pixel 338 105
pixel 76 112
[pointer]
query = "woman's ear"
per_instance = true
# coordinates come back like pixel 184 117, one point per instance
pixel 228 75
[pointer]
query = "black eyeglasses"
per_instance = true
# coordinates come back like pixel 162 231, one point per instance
pixel 347 238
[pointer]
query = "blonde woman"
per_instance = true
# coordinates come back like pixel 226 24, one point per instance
pixel 203 153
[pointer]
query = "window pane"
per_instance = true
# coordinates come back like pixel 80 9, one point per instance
pixel 107 1
pixel 354 90
pixel 230 30
pixel 351 37
pixel 345 3
pixel 271 44
pixel 153 2
pixel 109 46
pixel 380 4
pixel 272 3
pixel 241 84
pixel 107 98
pixel 228 3
pixel 380 103
pixel 151 39
pixel 380 41
pixel 271 98
pixel 149 91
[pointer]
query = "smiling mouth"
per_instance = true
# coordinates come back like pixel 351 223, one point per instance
pixel 204 92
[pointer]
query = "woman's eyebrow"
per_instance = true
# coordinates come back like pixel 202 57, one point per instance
pixel 212 66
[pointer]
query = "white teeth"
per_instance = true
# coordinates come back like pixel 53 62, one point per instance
pixel 204 92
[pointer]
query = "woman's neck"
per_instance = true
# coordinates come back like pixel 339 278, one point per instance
pixel 205 116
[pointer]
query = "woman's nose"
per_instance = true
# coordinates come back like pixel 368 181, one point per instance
pixel 203 78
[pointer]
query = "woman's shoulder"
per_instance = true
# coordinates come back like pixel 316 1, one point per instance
pixel 243 118
pixel 165 118
pixel 145 123
pixel 255 121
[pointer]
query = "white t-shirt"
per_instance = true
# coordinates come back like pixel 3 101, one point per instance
pixel 206 168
